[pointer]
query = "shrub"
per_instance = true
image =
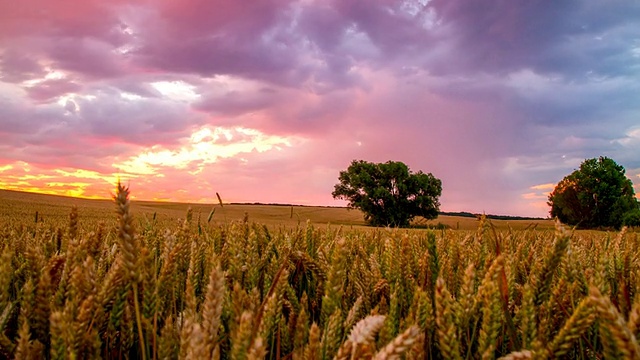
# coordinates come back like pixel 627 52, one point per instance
pixel 631 218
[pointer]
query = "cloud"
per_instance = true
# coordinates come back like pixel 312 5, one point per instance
pixel 48 90
pixel 17 66
pixel 254 100
pixel 503 36
pixel 212 37
pixel 205 146
pixel 63 18
pixel 90 57
pixel 85 129
pixel 233 96
pixel 60 181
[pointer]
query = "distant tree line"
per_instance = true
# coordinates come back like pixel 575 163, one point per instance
pixel 490 216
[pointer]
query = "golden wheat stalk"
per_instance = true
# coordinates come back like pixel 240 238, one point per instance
pixel 212 307
pixel 467 300
pixel 543 286
pixel 448 340
pixel 129 254
pixel 257 351
pixel 361 338
pixel 491 321
pixel 196 348
pixel 332 335
pixel 578 323
pixel 397 347
pixel 616 334
pixel 366 329
pixel 519 355
pixel 241 342
pixel 313 348
pixel 634 317
pixel 527 317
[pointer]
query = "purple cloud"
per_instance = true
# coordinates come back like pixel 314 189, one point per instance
pixel 492 97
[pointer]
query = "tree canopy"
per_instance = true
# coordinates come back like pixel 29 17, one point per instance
pixel 389 194
pixel 597 195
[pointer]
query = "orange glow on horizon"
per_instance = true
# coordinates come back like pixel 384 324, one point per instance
pixel 88 184
pixel 160 173
pixel 76 193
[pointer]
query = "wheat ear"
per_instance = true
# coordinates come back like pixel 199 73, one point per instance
pixel 399 345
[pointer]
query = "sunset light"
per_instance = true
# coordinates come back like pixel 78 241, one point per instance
pixel 269 101
pixel 319 179
pixel 204 147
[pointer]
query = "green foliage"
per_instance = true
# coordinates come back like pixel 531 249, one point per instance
pixel 596 195
pixel 632 218
pixel 388 193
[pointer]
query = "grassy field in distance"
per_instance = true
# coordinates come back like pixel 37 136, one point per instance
pixel 25 204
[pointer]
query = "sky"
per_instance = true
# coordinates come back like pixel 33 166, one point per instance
pixel 267 101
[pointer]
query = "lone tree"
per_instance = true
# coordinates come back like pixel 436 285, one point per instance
pixel 596 195
pixel 388 193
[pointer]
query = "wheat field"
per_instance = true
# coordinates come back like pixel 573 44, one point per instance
pixel 156 288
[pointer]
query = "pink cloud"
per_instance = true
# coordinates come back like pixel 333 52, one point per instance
pixel 66 17
pixel 492 99
pixel 51 89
